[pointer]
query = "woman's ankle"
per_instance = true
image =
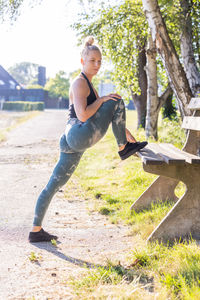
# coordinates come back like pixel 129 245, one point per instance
pixel 122 147
pixel 36 228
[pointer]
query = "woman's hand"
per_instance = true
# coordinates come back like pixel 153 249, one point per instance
pixel 130 137
pixel 114 97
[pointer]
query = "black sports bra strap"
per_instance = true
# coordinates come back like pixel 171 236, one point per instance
pixel 90 86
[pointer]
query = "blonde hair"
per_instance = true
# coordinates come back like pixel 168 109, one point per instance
pixel 88 46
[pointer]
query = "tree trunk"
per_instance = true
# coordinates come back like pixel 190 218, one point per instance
pixel 140 101
pixel 154 103
pixel 141 110
pixel 187 52
pixel 169 110
pixel 170 59
pixel 152 91
pixel 165 96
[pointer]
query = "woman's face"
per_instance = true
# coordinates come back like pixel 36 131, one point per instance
pixel 92 62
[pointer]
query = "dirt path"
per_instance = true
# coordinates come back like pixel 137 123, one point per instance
pixel 26 161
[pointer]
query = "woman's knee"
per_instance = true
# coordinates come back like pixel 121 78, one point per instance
pixel 121 104
pixel 118 104
pixel 79 145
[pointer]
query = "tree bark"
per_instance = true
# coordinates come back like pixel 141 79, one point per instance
pixel 187 52
pixel 165 96
pixel 169 110
pixel 168 54
pixel 140 101
pixel 152 91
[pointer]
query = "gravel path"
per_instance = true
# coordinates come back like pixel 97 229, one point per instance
pixel 26 162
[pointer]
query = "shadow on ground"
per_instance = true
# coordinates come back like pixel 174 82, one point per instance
pixel 54 250
pixel 127 274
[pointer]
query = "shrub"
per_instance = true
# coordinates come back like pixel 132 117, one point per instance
pixel 23 105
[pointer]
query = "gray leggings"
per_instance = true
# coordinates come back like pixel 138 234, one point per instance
pixel 77 138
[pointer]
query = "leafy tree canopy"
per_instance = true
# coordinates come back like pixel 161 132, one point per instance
pixel 25 72
pixel 121 30
pixel 104 76
pixel 172 12
pixel 58 86
pixel 74 74
pixel 10 9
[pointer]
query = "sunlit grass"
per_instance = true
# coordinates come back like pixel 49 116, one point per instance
pixel 177 268
pixel 155 271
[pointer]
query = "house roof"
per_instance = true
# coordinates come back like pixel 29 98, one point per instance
pixel 6 80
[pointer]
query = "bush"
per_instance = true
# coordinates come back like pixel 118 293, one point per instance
pixel 171 132
pixel 23 105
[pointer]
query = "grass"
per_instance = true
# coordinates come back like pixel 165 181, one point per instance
pixel 16 121
pixel 177 268
pixel 33 257
pixel 155 271
pixel 54 242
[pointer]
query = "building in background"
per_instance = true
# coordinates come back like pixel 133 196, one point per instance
pixel 106 88
pixel 7 81
pixel 11 90
pixel 41 76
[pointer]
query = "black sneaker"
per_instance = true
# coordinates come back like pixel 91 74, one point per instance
pixel 41 236
pixel 131 148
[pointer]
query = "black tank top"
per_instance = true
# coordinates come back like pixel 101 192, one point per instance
pixel 90 99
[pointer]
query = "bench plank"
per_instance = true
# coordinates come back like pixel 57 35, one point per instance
pixel 148 157
pixel 192 123
pixel 194 104
pixel 156 154
pixel 189 158
pixel 166 153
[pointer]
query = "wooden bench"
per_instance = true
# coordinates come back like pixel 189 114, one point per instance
pixel 174 165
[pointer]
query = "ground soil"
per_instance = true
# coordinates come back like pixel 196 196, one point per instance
pixel 27 159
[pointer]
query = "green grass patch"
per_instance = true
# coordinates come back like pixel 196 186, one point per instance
pixel 94 277
pixel 155 271
pixel 111 275
pixel 177 268
pixel 170 131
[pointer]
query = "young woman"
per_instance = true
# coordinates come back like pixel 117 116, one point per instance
pixel 89 119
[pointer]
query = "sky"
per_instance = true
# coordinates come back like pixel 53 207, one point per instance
pixel 42 35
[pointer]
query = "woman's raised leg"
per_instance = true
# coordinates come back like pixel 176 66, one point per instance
pixel 84 135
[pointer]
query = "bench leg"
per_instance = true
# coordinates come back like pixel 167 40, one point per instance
pixel 183 219
pixel 161 189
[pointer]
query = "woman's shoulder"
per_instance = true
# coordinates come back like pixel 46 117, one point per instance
pixel 79 84
pixel 78 81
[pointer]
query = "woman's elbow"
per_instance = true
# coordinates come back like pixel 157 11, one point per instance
pixel 82 118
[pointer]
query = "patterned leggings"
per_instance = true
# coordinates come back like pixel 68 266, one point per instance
pixel 77 138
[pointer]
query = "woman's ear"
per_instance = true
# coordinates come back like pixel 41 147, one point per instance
pixel 82 61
